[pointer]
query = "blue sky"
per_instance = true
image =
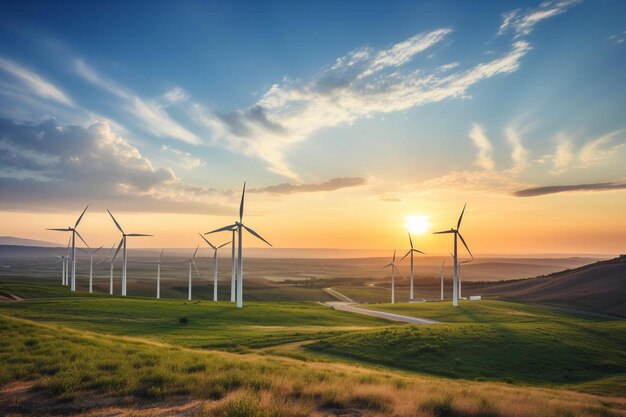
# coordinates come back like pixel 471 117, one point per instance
pixel 183 100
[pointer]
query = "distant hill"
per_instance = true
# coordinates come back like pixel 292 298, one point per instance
pixel 18 241
pixel 600 286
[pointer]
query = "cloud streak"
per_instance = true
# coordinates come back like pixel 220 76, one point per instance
pixel 484 158
pixel 522 22
pixel 330 185
pixel 554 189
pixel 35 83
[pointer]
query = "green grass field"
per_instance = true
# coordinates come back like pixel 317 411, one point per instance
pixel 483 362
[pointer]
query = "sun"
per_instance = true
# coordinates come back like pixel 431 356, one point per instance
pixel 417 224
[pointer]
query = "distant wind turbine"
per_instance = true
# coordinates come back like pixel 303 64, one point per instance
pixel 110 260
pixel 457 233
pixel 393 277
pixel 74 234
pixel 239 226
pixel 410 252
pixel 91 253
pixel 64 260
pixel 192 263
pixel 157 262
pixel 215 249
pixel 461 263
pixel 124 254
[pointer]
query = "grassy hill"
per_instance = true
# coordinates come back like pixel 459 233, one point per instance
pixel 600 286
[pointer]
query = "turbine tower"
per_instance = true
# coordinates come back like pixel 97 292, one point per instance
pixel 239 226
pixel 192 263
pixel 91 253
pixel 74 234
pixel 63 259
pixel 442 264
pixel 108 258
pixel 393 277
pixel 215 249
pixel 157 262
pixel 455 280
pixel 410 252
pixel 461 263
pixel 124 254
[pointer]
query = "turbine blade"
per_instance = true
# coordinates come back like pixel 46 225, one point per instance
pixel 394 256
pixel 196 251
pixel 230 227
pixel 196 268
pixel 243 194
pixel 61 230
pixel 465 244
pixel 80 237
pixel 386 266
pixel 256 234
pixel 443 231
pixel 442 264
pixel 94 252
pixel 83 251
pixel 116 223
pixel 67 250
pixel 223 244
pixel 118 249
pixel 205 239
pixel 461 217
pixel 417 250
pixel 81 216
pixel 407 254
pixel 137 234
pixel 161 255
pixel 411 240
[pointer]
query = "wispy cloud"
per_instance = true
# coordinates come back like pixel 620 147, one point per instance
pixel 35 83
pixel 563 154
pixel 602 148
pixel 330 185
pixel 151 114
pixel 356 86
pixel 553 189
pixel 519 154
pixel 184 159
pixel 522 22
pixel 484 158
pixel 618 38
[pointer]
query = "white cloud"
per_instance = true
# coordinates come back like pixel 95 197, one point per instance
pixel 151 114
pixel 294 110
pixel 601 148
pixel 35 83
pixel 184 159
pixel 484 158
pixel 563 154
pixel 522 23
pixel 519 155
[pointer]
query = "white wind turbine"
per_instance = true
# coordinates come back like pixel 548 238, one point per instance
pixel 110 260
pixel 124 254
pixel 158 264
pixel 461 263
pixel 441 274
pixel 192 263
pixel 239 226
pixel 215 249
pixel 64 260
pixel 457 233
pixel 410 252
pixel 74 234
pixel 91 253
pixel 393 277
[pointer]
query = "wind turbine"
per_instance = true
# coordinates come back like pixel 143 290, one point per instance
pixel 411 251
pixel 91 253
pixel 461 263
pixel 457 233
pixel 74 234
pixel 215 249
pixel 393 277
pixel 64 263
pixel 124 254
pixel 108 258
pixel 192 263
pixel 158 264
pixel 442 264
pixel 239 226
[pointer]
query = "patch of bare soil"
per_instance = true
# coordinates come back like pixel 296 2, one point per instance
pixel 22 399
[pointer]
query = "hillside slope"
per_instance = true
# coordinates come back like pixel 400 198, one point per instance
pixel 600 286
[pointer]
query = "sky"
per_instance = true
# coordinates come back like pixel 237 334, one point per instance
pixel 350 121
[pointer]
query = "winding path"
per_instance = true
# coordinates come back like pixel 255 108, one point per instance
pixel 344 306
